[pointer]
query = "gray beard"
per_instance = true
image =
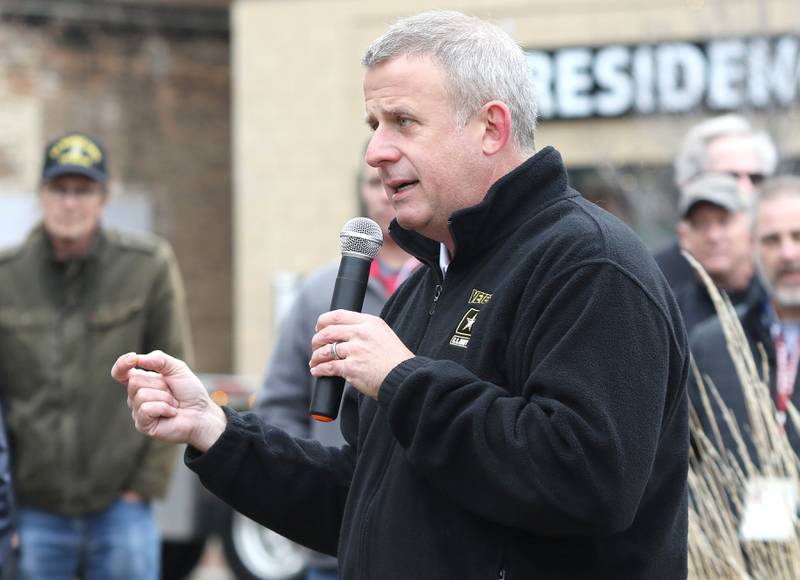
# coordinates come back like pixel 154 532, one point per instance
pixel 781 296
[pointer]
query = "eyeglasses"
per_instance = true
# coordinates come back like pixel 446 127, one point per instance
pixel 755 178
pixel 80 191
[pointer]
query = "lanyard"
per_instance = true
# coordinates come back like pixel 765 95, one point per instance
pixel 387 280
pixel 787 362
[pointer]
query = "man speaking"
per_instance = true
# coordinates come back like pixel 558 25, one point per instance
pixel 520 410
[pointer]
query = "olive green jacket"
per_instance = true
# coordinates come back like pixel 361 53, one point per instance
pixel 62 326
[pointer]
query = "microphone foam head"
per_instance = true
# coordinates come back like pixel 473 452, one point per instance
pixel 361 238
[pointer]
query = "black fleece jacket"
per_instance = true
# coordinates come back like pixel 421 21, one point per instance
pixel 539 432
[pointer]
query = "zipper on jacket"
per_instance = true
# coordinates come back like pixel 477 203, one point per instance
pixel 437 291
pixel 501 568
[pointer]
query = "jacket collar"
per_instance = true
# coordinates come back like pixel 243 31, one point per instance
pixel 511 201
pixel 756 318
pixel 40 242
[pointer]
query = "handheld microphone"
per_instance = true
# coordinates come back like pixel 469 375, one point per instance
pixel 361 239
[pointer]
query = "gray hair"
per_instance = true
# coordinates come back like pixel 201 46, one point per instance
pixel 692 157
pixel 481 61
pixel 772 188
pixel 777 186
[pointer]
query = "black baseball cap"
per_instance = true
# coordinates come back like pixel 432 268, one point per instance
pixel 75 154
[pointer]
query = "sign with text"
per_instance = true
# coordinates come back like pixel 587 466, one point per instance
pixel 671 77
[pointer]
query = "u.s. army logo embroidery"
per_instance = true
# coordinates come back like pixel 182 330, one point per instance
pixel 464 329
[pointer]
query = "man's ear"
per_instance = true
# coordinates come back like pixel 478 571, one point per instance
pixel 496 119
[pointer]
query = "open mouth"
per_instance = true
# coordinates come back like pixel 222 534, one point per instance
pixel 399 185
pixel 403 187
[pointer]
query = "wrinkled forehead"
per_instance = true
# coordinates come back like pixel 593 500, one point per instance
pixel 402 80
pixel 779 213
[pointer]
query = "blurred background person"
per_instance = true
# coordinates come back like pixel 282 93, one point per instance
pixel 286 394
pixel 7 534
pixel 724 144
pixel 715 229
pixel 773 321
pixel 84 477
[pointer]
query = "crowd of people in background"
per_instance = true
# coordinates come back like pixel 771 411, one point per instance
pixel 771 319
pixel 75 295
pixel 739 223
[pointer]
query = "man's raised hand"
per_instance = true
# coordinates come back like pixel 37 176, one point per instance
pixel 168 401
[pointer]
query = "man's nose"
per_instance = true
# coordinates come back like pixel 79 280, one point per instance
pixel 790 249
pixel 70 196
pixel 715 231
pixel 381 149
pixel 746 186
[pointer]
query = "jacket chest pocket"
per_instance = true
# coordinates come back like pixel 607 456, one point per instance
pixel 28 337
pixel 110 315
pixel 117 325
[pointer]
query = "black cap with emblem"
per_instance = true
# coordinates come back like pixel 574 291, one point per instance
pixel 75 154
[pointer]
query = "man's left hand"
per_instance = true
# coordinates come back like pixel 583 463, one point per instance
pixel 366 347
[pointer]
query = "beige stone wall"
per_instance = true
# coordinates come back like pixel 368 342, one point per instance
pixel 298 115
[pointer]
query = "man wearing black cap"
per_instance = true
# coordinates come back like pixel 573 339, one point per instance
pixel 726 144
pixel 714 229
pixel 83 475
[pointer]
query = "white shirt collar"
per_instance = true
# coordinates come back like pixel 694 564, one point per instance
pixel 444 259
